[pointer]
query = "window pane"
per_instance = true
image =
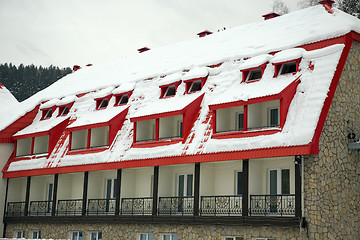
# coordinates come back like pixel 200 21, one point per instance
pixel 239 183
pixel 167 237
pixel 254 75
pixel 273 181
pixel 80 236
pixel 181 186
pixel 150 236
pixel 285 181
pixel 240 122
pixel 170 91
pixel 75 236
pixel 93 236
pixel 108 188
pixel 143 236
pixel 99 235
pixel 288 68
pixel 195 86
pixel 174 236
pixel 274 117
pixel 189 185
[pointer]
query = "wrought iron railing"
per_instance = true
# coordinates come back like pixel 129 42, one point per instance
pixel 15 209
pixel 101 206
pixel 277 205
pixel 176 205
pixel 136 206
pixel 221 205
pixel 40 208
pixel 69 207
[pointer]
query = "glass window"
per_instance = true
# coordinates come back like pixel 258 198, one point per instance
pixel 47 113
pixel 36 234
pixel 64 110
pixel 20 234
pixel 195 86
pixel 146 236
pixel 274 117
pixel 123 99
pixel 103 103
pixel 285 181
pixel 185 185
pixel 287 68
pixel 170 91
pixel 234 238
pixel 240 125
pixel 239 189
pixel 77 236
pixel 96 236
pixel 254 75
pixel 170 236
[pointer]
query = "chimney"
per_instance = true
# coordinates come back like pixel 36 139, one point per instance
pixel 327 5
pixel 89 65
pixel 144 49
pixel 270 15
pixel 76 67
pixel 204 33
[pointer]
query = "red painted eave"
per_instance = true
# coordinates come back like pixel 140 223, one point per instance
pixel 172 160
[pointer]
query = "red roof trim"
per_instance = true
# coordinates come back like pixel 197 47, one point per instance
pixel 249 133
pixel 209 157
pixel 157 115
pixel 85 151
pixel 159 143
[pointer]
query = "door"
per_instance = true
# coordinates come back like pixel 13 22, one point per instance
pixel 185 188
pixel 49 197
pixel 279 183
pixel 110 192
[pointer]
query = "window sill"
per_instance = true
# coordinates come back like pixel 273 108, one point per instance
pixel 85 151
pixel 159 143
pixel 29 157
pixel 248 133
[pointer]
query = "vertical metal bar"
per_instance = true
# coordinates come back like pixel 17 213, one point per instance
pixel 53 209
pixel 5 204
pixel 117 193
pixel 155 190
pixel 298 186
pixel 245 187
pixel 27 196
pixel 196 189
pixel 85 190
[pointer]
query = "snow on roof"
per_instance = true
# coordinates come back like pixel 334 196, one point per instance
pixel 7 104
pixel 143 71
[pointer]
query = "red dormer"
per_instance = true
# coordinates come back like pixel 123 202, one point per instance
pixel 204 33
pixel 102 103
pixel 64 109
pixel 47 112
pixel 169 90
pixel 287 67
pixel 194 85
pixel 270 15
pixel 122 98
pixel 253 74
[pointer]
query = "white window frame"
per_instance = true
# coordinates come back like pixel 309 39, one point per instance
pixel 264 238
pixel 173 236
pixel 192 85
pixel 36 234
pixel 112 191
pixel 278 179
pixel 269 115
pixel 48 114
pixel 65 111
pixel 97 235
pixel 78 235
pixel 147 236
pixel 121 98
pixel 233 238
pixel 249 74
pixel 185 184
pixel 103 102
pixel 22 234
pixel 288 63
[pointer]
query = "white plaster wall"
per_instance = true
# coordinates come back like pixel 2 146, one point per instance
pixel 6 150
pixel 145 130
pixel 128 182
pixel 254 115
pixel 17 189
pixel 97 183
pixel 99 137
pixel 168 178
pixel 226 119
pixel 207 179
pixel 23 147
pixel 70 186
pixel 79 139
pixel 41 144
pixel 39 187
pixel 136 182
pixel 168 127
pixel 225 177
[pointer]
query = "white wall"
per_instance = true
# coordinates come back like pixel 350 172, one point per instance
pixel 23 147
pixel 41 144
pixel 39 187
pixel 258 114
pixel 169 126
pixel 227 119
pixel 168 178
pixel 136 182
pixel 70 186
pixel 99 137
pixel 5 151
pixel 79 139
pixel 97 183
pixel 145 130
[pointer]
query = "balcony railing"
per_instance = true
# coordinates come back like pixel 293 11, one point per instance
pixel 221 205
pixel 15 209
pixel 274 205
pixel 136 206
pixel 40 208
pixel 176 205
pixel 69 207
pixel 101 206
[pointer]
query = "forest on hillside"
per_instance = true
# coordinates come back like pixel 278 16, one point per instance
pixel 24 81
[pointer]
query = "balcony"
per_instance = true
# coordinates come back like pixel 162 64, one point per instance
pixel 176 205
pixel 69 207
pixel 221 205
pixel 15 209
pixel 136 206
pixel 40 208
pixel 101 206
pixel 272 205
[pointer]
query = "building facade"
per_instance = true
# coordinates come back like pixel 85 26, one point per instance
pixel 249 140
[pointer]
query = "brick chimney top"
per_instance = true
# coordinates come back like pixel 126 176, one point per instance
pixel 144 49
pixel 327 5
pixel 204 33
pixel 270 15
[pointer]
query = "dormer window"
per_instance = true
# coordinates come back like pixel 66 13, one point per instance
pixel 47 113
pixel 63 111
pixel 170 91
pixel 122 99
pixel 195 86
pixel 253 74
pixel 289 67
pixel 102 103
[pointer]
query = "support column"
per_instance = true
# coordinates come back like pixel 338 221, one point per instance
pixel 54 201
pixel 298 186
pixel 197 189
pixel 245 187
pixel 117 192
pixel 85 190
pixel 5 205
pixel 27 196
pixel 155 190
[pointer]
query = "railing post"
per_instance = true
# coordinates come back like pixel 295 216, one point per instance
pixel 245 187
pixel 197 189
pixel 117 193
pixel 85 190
pixel 53 209
pixel 155 190
pixel 27 196
pixel 298 186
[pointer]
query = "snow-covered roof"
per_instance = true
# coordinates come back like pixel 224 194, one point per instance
pixel 237 48
pixel 7 103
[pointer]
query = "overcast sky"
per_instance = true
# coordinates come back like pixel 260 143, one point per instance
pixel 69 32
